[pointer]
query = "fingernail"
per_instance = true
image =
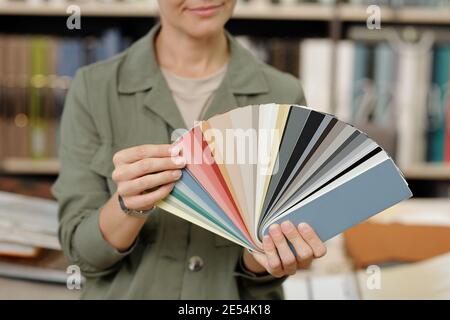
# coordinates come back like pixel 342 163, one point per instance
pixel 303 227
pixel 175 150
pixel 274 229
pixel 286 225
pixel 266 240
pixel 179 161
pixel 176 174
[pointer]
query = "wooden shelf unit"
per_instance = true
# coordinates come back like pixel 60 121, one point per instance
pixel 343 13
pixel 317 12
pixel 427 171
pixel 30 166
pixel 404 15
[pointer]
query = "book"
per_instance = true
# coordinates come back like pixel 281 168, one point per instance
pixel 39 51
pixel 429 279
pixel 384 79
pixel 360 75
pixel 344 79
pixel 18 250
pixel 259 165
pixel 48 266
pixel 315 68
pixel 339 286
pixel 447 132
pixel 29 245
pixel 438 104
pixel 28 221
pixel 411 101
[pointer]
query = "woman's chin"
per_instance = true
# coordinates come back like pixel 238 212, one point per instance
pixel 206 30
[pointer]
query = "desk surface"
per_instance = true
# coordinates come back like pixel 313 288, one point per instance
pixel 335 262
pixel 29 290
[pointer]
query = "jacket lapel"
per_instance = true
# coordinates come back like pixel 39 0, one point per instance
pixel 140 73
pixel 223 101
pixel 160 101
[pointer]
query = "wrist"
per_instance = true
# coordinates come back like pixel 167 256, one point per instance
pixel 118 229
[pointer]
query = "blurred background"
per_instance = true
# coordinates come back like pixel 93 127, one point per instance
pixel 382 66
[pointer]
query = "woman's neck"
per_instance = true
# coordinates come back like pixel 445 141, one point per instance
pixel 190 57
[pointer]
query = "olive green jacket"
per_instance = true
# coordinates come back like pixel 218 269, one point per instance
pixel 124 102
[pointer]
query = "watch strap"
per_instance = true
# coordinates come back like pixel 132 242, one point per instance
pixel 132 212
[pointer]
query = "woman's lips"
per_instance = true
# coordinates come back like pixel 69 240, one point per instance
pixel 206 11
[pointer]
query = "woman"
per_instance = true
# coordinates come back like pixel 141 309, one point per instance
pixel 116 164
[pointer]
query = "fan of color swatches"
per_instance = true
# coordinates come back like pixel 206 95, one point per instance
pixel 263 164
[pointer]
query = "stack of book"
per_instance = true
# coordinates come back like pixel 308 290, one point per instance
pixel 29 245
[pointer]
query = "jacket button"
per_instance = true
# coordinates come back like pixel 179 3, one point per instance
pixel 195 264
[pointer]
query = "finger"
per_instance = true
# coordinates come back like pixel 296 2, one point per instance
pixel 310 236
pixel 136 153
pixel 305 264
pixel 303 250
pixel 259 257
pixel 150 181
pixel 284 251
pixel 148 200
pixel 274 263
pixel 146 166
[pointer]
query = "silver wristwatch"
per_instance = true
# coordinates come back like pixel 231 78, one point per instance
pixel 132 212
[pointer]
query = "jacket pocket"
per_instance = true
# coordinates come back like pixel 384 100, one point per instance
pixel 102 164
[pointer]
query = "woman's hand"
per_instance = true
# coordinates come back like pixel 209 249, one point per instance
pixel 278 258
pixel 146 174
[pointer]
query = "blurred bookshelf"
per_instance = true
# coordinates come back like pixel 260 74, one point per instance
pixel 322 42
pixel 301 11
pixel 92 8
pixel 326 43
pixel 403 15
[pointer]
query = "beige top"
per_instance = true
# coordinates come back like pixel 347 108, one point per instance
pixel 193 95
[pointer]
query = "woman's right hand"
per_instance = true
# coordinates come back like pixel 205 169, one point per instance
pixel 146 174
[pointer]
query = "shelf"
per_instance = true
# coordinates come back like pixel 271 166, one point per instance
pixel 30 166
pixel 87 9
pixel 404 15
pixel 51 167
pixel 305 12
pixel 428 172
pixel 299 12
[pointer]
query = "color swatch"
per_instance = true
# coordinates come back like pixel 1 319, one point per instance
pixel 263 164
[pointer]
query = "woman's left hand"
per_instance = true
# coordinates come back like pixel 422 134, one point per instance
pixel 278 258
